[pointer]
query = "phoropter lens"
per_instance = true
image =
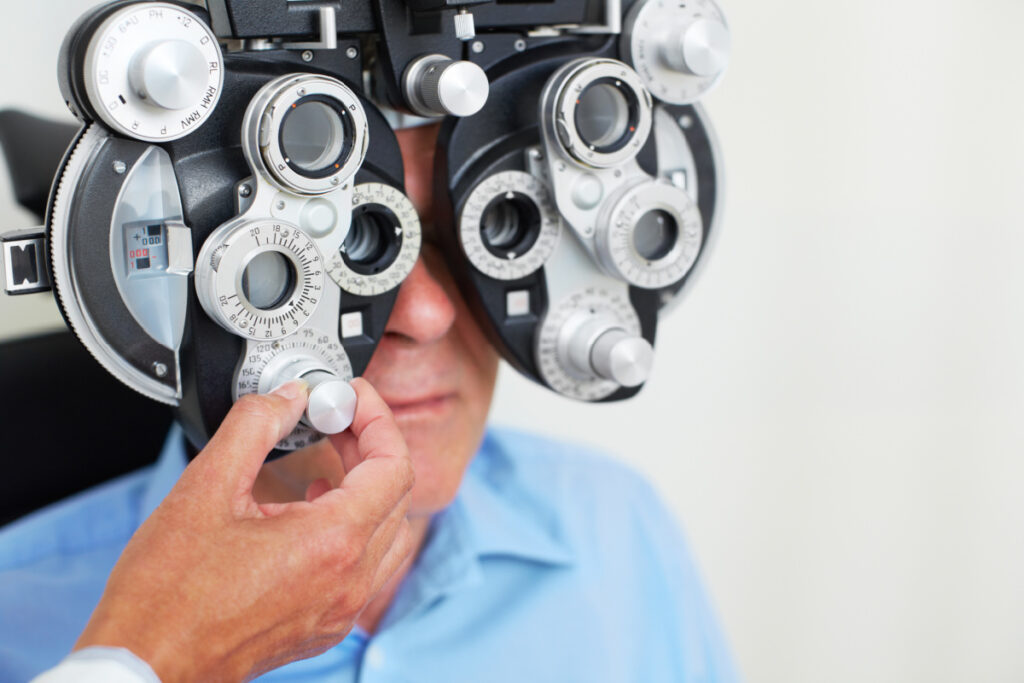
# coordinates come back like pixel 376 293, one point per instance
pixel 602 115
pixel 268 280
pixel 510 225
pixel 655 235
pixel 373 241
pixel 315 136
pixel 598 111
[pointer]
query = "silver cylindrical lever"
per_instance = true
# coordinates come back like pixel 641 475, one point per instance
pixel 436 85
pixel 332 402
pixel 171 74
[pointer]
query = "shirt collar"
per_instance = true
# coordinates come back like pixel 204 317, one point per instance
pixel 502 516
pixel 493 515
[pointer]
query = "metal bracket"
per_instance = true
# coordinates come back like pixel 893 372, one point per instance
pixel 328 33
pixel 24 257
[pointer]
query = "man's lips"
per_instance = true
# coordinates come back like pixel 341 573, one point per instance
pixel 402 405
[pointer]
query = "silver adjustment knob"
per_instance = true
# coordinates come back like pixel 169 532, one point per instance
pixel 332 403
pixel 332 400
pixel 436 85
pixel 600 347
pixel 172 74
pixel 622 358
pixel 680 49
pixel 701 48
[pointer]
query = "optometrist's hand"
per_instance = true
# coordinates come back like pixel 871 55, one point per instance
pixel 215 586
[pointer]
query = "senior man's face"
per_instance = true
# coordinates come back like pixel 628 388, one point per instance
pixel 434 368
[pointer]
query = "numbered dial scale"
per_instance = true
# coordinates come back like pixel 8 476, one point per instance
pixel 153 71
pixel 261 279
pixel 552 340
pixel 494 210
pixel 265 361
pixel 388 217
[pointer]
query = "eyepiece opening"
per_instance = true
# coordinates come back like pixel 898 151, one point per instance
pixel 510 225
pixel 316 136
pixel 374 240
pixel 268 280
pixel 606 115
pixel 655 235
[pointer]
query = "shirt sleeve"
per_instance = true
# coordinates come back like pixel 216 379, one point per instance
pixel 99 665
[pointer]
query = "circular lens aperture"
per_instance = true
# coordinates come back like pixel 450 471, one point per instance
pixel 603 116
pixel 374 240
pixel 382 243
pixel 315 137
pixel 268 280
pixel 597 111
pixel 307 134
pixel 655 235
pixel 510 225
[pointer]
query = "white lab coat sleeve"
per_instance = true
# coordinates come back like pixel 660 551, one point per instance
pixel 99 665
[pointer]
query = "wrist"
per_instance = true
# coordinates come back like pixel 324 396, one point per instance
pixel 163 655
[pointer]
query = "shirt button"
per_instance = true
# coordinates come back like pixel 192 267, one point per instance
pixel 375 657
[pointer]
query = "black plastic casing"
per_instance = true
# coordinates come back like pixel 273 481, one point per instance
pixel 208 163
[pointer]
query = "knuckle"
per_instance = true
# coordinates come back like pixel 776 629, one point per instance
pixel 346 555
pixel 355 595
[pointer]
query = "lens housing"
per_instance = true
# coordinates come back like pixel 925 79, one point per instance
pixel 598 111
pixel 268 280
pixel 307 133
pixel 374 239
pixel 382 244
pixel 316 136
pixel 509 225
pixel 607 114
pixel 654 234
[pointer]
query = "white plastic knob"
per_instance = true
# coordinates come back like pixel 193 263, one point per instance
pixel 171 74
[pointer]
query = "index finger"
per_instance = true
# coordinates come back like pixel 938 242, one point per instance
pixel 384 474
pixel 256 422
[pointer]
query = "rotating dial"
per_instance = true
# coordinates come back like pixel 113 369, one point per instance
pixel 509 226
pixel 314 356
pixel 436 85
pixel 153 71
pixel 590 345
pixel 680 50
pixel 651 236
pixel 261 279
pixel 382 244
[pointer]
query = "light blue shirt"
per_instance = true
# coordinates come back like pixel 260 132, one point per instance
pixel 552 564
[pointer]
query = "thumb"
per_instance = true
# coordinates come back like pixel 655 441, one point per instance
pixel 250 430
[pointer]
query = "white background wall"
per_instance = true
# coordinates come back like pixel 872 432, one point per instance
pixel 835 413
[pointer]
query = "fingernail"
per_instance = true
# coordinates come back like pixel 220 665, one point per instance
pixel 292 390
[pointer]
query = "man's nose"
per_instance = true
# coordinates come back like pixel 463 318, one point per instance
pixel 423 311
